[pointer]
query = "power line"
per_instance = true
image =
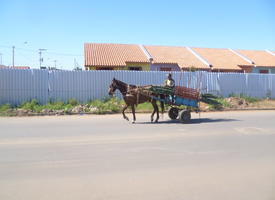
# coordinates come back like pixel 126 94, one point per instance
pixel 49 52
pixel 32 52
pixel 26 57
pixel 64 54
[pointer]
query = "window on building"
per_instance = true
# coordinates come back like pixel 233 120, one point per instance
pixel 165 69
pixel 135 68
pixel 264 71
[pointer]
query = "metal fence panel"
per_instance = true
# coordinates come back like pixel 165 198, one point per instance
pixel 17 86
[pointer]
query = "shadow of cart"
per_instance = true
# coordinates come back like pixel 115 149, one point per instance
pixel 192 121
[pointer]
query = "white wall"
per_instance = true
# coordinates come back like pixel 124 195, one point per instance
pixel 17 86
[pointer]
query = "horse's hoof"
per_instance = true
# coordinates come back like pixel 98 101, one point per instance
pixel 133 122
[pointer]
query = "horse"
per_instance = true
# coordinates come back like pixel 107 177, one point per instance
pixel 132 97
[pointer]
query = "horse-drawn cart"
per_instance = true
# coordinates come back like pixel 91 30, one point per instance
pixel 182 100
pixel 177 98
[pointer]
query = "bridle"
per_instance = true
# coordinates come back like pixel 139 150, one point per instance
pixel 114 86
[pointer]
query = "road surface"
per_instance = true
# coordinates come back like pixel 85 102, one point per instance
pixel 223 155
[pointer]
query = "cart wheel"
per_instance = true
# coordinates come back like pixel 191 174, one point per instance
pixel 185 116
pixel 173 113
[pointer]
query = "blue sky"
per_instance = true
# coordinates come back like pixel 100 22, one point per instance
pixel 62 26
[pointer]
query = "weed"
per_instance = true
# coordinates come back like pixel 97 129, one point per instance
pixel 247 98
pixel 5 107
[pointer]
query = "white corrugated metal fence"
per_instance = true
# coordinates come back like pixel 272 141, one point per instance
pixel 17 86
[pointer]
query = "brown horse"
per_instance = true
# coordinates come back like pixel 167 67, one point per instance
pixel 132 97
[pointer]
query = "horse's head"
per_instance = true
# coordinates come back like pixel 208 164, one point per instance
pixel 113 87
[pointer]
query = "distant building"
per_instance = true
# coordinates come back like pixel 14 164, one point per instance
pixel 264 61
pixel 115 57
pixel 3 67
pixel 168 58
pixel 20 67
pixel 15 67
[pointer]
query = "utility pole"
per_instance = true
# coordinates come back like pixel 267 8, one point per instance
pixel 55 64
pixel 40 56
pixel 13 47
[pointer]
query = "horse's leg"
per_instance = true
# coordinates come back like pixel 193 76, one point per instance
pixel 124 116
pixel 134 113
pixel 156 109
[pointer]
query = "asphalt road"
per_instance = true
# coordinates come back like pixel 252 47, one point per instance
pixel 228 156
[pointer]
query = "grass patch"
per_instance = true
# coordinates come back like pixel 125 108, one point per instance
pixel 147 106
pixel 5 107
pixel 60 105
pixel 219 104
pixel 108 105
pixel 36 107
pixel 5 110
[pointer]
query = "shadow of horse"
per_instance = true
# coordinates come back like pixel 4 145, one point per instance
pixel 192 121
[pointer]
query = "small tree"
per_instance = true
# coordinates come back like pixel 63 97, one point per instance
pixel 192 68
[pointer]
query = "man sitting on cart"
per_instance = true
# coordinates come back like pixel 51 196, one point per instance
pixel 169 82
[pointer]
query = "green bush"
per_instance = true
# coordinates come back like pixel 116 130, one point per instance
pixel 31 105
pixel 73 102
pixel 59 105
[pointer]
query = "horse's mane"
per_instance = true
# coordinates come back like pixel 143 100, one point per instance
pixel 125 84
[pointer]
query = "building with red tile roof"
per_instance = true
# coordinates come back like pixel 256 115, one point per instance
pixel 101 56
pixel 264 61
pixel 114 56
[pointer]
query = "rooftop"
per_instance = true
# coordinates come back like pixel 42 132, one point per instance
pixel 97 54
pixel 118 55
pixel 260 58
pixel 222 59
pixel 180 55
